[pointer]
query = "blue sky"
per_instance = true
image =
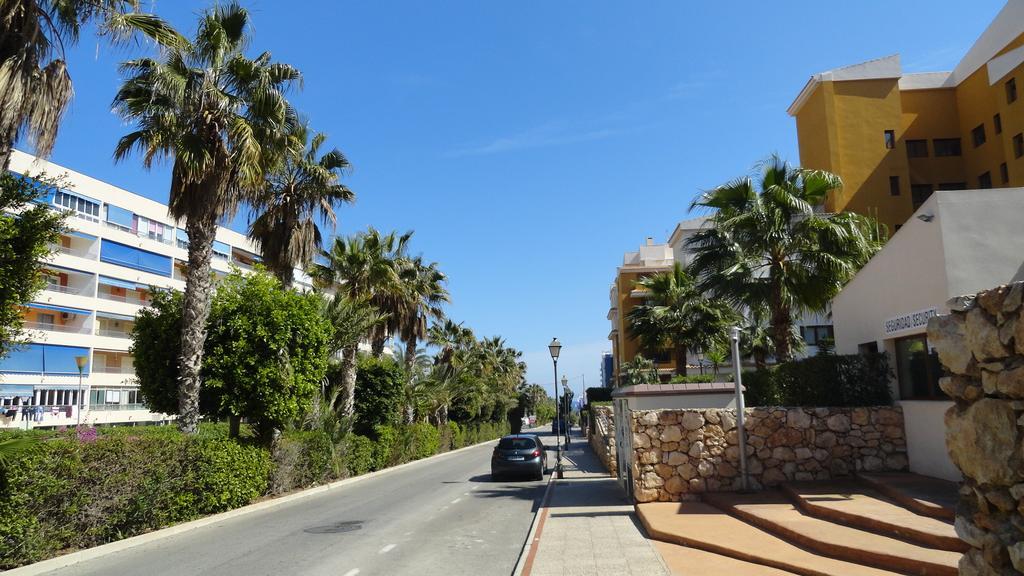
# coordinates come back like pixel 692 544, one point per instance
pixel 530 144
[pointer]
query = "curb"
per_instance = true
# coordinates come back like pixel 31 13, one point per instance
pixel 533 537
pixel 58 562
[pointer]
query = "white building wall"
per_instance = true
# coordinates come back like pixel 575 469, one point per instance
pixel 84 257
pixel 972 242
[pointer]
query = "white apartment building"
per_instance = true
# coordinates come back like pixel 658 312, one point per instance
pixel 119 247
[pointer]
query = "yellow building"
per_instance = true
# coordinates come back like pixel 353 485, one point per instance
pixel 894 138
pixel 650 259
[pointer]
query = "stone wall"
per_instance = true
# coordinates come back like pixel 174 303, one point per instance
pixel 681 453
pixel 602 437
pixel 981 344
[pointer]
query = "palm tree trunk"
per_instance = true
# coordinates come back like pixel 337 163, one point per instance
pixel 286 274
pixel 198 292
pixel 679 353
pixel 6 146
pixel 380 338
pixel 781 322
pixel 410 355
pixel 348 381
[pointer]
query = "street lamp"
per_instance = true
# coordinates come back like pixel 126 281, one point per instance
pixel 556 348
pixel 81 362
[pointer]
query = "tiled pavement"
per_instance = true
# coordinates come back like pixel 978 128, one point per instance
pixel 588 527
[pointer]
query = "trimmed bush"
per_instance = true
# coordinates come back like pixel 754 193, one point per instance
pixel 824 380
pixel 385 447
pixel 701 378
pixel 424 440
pixel 303 458
pixel 70 494
pixel 359 458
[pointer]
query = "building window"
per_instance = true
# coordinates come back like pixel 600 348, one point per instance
pixel 890 139
pixel 978 135
pixel 985 180
pixel 894 185
pixel 812 335
pixel 82 207
pixel 1018 145
pixel 997 122
pixel 917 148
pixel 919 193
pixel 946 146
pixel 917 369
pixel 1004 173
pixel 952 186
pixel 1011 91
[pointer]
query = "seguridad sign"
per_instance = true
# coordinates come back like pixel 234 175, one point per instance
pixel 909 321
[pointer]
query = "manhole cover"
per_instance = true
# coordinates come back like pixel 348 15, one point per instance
pixel 336 528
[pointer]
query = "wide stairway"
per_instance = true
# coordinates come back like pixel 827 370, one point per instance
pixel 870 525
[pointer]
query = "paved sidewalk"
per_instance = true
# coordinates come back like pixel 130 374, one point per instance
pixel 588 527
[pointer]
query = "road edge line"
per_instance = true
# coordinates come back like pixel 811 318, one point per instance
pixel 525 562
pixel 66 560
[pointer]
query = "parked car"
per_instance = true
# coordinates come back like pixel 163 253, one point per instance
pixel 519 455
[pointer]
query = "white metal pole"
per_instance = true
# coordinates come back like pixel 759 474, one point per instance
pixel 741 433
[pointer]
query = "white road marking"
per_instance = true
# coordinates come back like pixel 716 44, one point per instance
pixel 352 572
pixel 456 501
pixel 474 487
pixel 387 549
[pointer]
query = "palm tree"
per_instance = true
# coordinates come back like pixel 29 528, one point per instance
pixel 425 293
pixel 768 246
pixel 368 265
pixel 35 86
pixel 224 119
pixel 417 369
pixel 351 318
pixel 678 315
pixel 448 336
pixel 301 190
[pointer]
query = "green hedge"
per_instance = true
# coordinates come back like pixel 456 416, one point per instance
pixel 72 493
pixel 701 378
pixel 825 380
pixel 69 494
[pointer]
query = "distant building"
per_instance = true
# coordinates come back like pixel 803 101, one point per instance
pixel 895 138
pixel 607 369
pixel 118 248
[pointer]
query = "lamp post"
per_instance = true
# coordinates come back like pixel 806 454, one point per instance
pixel 741 432
pixel 81 362
pixel 565 421
pixel 555 348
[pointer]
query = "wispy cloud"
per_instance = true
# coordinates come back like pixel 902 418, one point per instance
pixel 544 136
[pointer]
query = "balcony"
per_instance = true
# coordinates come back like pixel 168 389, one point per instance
pixel 78 252
pixel 128 298
pixel 113 333
pixel 53 327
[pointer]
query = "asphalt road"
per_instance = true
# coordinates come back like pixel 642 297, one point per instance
pixel 441 516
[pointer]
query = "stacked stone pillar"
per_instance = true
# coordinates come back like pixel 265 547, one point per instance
pixel 981 344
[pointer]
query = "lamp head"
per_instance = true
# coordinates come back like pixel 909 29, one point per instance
pixel 565 381
pixel 81 362
pixel 555 348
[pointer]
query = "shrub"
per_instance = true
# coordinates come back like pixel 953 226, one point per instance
pixel 358 454
pixel 301 459
pixel 599 394
pixel 451 436
pixel 69 494
pixel 825 380
pixel 378 394
pixel 384 448
pixel 424 440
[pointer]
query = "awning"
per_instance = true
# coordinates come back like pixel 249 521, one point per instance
pixel 113 316
pixel 221 248
pixel 118 283
pixel 48 266
pixel 181 235
pixel 80 235
pixel 15 389
pixel 58 308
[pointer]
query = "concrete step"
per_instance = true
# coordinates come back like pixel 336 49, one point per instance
pixel 772 511
pixel 702 526
pixel 923 494
pixel 851 503
pixel 687 561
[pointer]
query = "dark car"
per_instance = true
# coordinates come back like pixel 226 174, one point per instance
pixel 519 455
